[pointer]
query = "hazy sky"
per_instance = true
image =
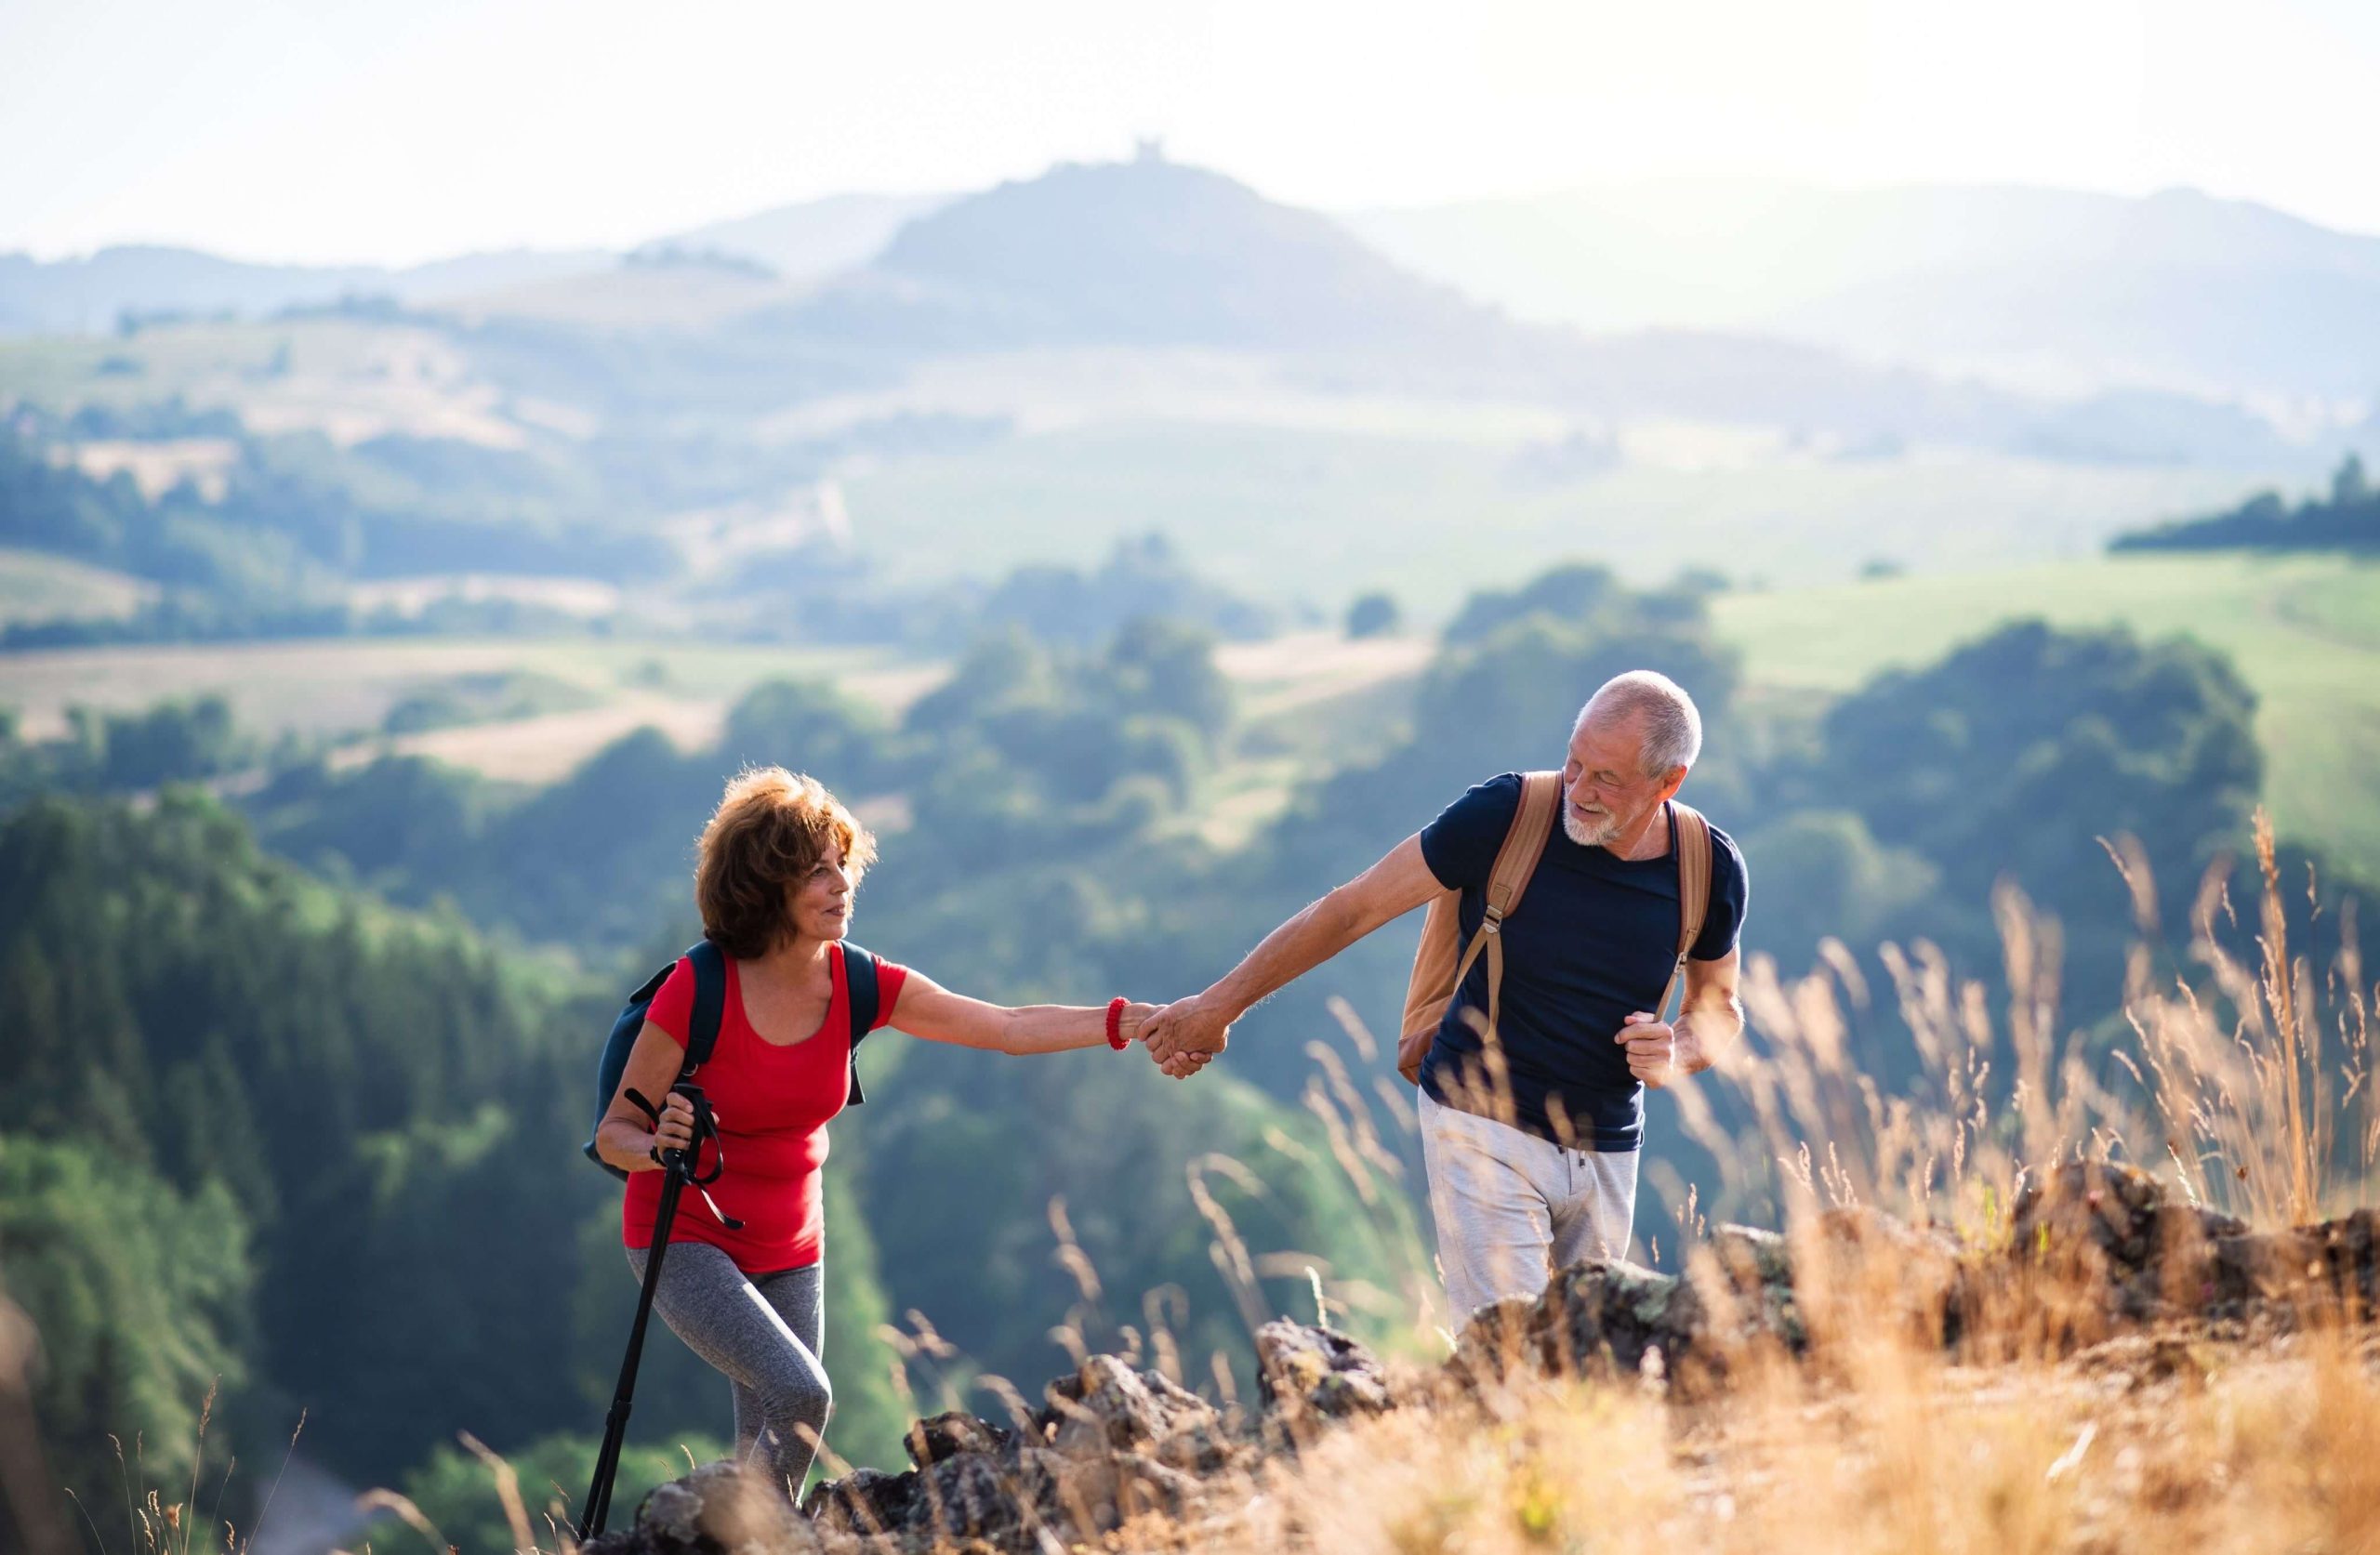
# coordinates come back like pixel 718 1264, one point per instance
pixel 328 130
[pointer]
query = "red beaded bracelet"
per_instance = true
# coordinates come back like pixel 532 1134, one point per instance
pixel 1115 1023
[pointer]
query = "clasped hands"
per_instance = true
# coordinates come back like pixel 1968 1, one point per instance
pixel 1185 1036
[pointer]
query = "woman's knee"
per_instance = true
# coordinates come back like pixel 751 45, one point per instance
pixel 799 1394
pixel 820 1399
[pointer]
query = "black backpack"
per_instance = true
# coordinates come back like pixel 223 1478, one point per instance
pixel 702 1025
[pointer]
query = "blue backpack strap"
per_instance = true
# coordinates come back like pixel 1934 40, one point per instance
pixel 702 1036
pixel 710 1002
pixel 861 991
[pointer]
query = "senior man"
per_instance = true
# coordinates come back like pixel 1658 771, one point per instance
pixel 1531 1129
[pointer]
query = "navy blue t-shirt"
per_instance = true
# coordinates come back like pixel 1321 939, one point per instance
pixel 1593 940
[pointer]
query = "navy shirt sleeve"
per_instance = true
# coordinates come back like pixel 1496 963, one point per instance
pixel 1462 844
pixel 1723 920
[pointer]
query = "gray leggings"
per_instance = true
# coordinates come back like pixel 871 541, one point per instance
pixel 764 1333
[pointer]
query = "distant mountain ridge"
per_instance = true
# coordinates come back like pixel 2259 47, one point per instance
pixel 88 295
pixel 800 242
pixel 2060 288
pixel 810 239
pixel 1151 253
pixel 2050 291
pixel 1147 251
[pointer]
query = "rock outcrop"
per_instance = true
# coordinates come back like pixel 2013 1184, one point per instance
pixel 2088 1251
pixel 1310 1375
pixel 2116 1235
pixel 1111 1443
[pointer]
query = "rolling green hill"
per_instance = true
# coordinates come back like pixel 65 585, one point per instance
pixel 35 585
pixel 2303 630
pixel 1289 512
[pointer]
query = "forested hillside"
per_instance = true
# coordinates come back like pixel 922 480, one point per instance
pixel 271 1114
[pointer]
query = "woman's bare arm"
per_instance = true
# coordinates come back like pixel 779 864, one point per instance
pixel 925 1008
pixel 626 1138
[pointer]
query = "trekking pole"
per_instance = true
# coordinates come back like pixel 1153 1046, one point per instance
pixel 677 1169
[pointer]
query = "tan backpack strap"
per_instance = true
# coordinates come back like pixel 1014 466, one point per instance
pixel 1508 878
pixel 1691 843
pixel 1508 881
pixel 1426 996
pixel 1524 844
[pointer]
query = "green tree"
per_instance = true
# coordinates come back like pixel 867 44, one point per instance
pixel 1578 594
pixel 2013 755
pixel 140 1297
pixel 811 728
pixel 1822 875
pixel 2350 485
pixel 456 1490
pixel 1154 667
pixel 1373 615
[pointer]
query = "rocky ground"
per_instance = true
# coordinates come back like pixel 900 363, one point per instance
pixel 2100 1286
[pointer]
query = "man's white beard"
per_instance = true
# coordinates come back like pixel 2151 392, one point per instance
pixel 1576 828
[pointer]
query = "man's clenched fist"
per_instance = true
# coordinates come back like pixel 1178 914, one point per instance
pixel 1652 1049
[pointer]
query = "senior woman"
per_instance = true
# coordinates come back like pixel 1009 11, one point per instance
pixel 778 863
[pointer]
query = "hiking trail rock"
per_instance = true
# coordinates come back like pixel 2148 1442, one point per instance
pixel 1111 1444
pixel 1596 1317
pixel 1309 1372
pixel 2119 1234
pixel 2092 1248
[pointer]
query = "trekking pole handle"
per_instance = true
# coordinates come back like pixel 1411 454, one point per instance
pixel 682 1161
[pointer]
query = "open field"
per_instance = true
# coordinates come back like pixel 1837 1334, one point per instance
pixel 1302 668
pixel 546 747
pixel 341 690
pixel 2304 631
pixel 158 466
pixel 347 685
pixel 35 585
pixel 1053 389
pixel 1300 513
pixel 352 379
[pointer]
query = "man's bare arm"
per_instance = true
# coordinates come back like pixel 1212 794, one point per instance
pixel 1710 1018
pixel 1200 1025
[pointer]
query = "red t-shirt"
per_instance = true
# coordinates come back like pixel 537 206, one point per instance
pixel 772 1101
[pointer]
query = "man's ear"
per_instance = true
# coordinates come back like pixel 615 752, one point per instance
pixel 1672 784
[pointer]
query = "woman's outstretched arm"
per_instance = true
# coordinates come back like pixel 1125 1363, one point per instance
pixel 928 1009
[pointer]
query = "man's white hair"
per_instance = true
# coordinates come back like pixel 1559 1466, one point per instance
pixel 1672 726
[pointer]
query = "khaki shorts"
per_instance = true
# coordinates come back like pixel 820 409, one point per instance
pixel 1512 1209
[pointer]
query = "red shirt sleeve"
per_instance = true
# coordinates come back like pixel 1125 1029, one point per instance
pixel 674 1005
pixel 889 976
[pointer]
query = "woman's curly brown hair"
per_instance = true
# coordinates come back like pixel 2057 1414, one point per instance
pixel 769 832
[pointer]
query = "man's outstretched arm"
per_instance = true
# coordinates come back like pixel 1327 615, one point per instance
pixel 1185 1034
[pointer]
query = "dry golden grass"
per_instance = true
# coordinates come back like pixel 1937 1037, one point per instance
pixel 2269 1449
